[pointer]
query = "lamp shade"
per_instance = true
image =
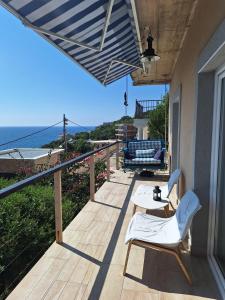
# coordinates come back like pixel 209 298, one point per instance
pixel 149 54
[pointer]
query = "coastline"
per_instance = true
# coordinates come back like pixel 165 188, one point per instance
pixel 9 133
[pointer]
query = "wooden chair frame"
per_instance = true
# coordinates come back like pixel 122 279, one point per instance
pixel 173 251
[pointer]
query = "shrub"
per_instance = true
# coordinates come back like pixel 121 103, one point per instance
pixel 27 227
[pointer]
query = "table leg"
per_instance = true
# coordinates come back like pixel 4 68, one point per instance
pixel 167 210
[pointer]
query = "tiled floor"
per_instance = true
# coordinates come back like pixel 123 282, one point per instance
pixel 89 264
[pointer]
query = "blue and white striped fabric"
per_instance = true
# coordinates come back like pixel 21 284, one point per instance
pixel 142 161
pixel 144 145
pixel 83 22
pixel 148 153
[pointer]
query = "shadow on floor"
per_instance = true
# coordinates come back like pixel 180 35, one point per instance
pixel 161 272
pixel 106 204
pixel 102 273
pixel 156 177
pixel 117 182
pixel 81 254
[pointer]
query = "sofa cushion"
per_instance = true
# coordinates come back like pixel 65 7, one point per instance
pixel 148 153
pixel 144 145
pixel 142 161
pixel 159 155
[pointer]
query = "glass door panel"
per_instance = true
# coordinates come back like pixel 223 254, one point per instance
pixel 219 245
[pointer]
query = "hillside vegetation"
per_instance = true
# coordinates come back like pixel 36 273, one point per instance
pixel 158 119
pixel 78 142
pixel 27 220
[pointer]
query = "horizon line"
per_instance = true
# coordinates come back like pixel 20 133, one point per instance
pixel 82 126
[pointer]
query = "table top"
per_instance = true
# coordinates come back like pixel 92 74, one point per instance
pixel 143 197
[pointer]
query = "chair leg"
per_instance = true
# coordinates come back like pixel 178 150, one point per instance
pixel 134 209
pixel 183 268
pixel 127 256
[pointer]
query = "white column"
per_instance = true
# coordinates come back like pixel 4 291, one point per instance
pixel 145 133
pixel 140 133
pixel 142 127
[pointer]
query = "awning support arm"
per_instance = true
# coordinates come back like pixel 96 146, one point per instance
pixel 119 62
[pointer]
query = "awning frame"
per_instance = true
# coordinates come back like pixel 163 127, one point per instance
pixel 119 62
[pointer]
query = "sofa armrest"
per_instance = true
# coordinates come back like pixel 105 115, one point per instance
pixel 163 155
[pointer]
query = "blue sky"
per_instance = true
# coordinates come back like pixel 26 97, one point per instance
pixel 38 83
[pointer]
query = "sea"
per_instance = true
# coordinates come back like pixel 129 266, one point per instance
pixel 8 134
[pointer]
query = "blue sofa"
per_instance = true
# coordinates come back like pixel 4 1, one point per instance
pixel 139 154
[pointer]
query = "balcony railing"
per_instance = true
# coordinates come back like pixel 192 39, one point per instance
pixel 83 164
pixel 143 107
pixel 56 172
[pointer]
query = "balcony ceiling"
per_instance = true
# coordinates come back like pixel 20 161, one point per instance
pixel 168 21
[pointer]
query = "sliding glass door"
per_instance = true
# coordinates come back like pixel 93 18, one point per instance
pixel 219 229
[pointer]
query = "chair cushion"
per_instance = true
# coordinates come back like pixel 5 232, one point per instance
pixel 152 229
pixel 188 207
pixel 174 177
pixel 148 153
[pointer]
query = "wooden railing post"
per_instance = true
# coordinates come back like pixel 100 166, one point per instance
pixel 108 163
pixel 58 206
pixel 117 155
pixel 92 177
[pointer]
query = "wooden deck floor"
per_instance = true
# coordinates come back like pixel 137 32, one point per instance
pixel 89 264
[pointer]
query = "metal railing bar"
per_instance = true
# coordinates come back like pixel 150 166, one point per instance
pixel 25 182
pixel 145 106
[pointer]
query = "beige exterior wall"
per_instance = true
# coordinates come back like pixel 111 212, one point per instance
pixel 209 14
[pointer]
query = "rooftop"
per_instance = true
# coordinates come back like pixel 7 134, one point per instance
pixel 89 263
pixel 27 153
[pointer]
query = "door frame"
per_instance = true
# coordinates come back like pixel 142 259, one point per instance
pixel 177 99
pixel 219 75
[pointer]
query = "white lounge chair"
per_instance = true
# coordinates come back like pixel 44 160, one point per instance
pixel 143 197
pixel 163 234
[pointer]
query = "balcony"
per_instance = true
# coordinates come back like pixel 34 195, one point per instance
pixel 89 262
pixel 143 107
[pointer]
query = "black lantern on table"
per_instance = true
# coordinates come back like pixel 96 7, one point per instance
pixel 157 193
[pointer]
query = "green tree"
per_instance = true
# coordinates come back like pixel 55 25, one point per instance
pixel 107 131
pixel 79 142
pixel 158 119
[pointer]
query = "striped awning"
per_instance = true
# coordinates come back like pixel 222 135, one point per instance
pixel 100 35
